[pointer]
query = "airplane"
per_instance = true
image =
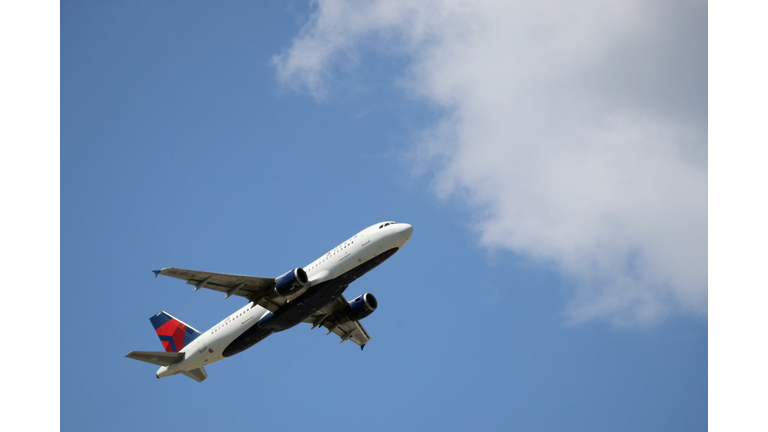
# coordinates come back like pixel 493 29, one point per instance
pixel 313 294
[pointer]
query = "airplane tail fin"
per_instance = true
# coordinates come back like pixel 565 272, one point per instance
pixel 173 333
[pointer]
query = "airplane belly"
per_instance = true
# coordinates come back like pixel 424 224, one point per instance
pixel 249 338
pixel 295 312
pixel 319 296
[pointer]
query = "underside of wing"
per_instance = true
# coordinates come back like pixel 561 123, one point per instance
pixel 335 320
pixel 257 289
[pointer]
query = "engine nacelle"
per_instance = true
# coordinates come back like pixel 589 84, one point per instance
pixel 292 284
pixel 361 307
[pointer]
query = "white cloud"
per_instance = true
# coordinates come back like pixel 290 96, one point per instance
pixel 577 130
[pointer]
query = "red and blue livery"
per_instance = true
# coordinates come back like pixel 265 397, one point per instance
pixel 312 294
pixel 173 333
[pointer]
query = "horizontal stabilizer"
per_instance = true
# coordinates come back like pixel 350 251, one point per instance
pixel 156 357
pixel 198 374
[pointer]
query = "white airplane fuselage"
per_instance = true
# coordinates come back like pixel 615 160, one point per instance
pixel 328 277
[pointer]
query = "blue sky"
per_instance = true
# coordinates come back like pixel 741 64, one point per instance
pixel 189 140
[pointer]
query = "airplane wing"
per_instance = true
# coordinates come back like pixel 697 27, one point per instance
pixel 257 289
pixel 333 318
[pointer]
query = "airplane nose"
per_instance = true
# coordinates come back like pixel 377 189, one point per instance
pixel 406 230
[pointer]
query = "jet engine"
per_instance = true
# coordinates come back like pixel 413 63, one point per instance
pixel 361 307
pixel 292 284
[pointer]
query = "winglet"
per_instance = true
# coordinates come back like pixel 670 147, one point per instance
pixel 156 272
pixel 362 346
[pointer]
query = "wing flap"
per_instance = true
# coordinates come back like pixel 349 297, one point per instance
pixel 352 330
pixel 251 287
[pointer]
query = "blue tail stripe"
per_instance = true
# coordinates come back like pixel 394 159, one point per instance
pixel 159 319
pixel 190 336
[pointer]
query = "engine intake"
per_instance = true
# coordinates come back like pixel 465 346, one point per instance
pixel 291 284
pixel 361 307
